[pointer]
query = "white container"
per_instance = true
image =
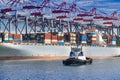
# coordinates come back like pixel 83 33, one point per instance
pixel 0 39
pixel 114 42
pixel 47 41
pixel 60 34
pixel 94 38
pixel 83 42
pixel 54 40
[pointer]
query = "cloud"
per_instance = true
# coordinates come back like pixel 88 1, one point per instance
pixel 105 5
pixel 84 3
pixel 111 4
pixel 106 10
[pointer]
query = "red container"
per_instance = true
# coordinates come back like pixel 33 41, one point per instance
pixel 54 41
pixel 10 34
pixel 93 42
pixel 48 35
pixel 10 41
pixel 16 35
pixel 60 37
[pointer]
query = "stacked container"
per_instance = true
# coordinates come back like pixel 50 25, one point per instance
pixel 88 38
pixel 83 39
pixel 93 39
pixel 60 38
pixel 47 38
pixel 109 39
pixel 72 38
pixel 10 38
pixel 16 37
pixel 39 37
pixel 54 38
pixel 67 38
pixel 78 38
pixel 6 38
pixel 1 36
pixel 25 37
pixel 113 40
pixel 32 36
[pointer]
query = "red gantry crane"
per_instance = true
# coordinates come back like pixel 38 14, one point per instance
pixel 105 20
pixel 5 19
pixel 9 15
pixel 37 21
pixel 61 15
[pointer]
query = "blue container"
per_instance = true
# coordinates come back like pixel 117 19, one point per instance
pixel 113 39
pixel 6 41
pixel 83 38
pixel 25 37
pixel 60 43
pixel 10 36
pixel 93 44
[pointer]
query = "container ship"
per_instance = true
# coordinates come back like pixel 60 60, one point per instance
pixel 56 45
pixel 49 30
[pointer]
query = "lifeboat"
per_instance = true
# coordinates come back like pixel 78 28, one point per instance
pixel 77 57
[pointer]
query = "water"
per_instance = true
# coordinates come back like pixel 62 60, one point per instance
pixel 101 69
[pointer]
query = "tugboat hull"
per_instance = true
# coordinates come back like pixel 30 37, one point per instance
pixel 73 61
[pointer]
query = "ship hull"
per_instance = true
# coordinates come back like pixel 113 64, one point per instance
pixel 39 51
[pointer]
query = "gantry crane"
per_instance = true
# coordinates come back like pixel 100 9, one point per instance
pixel 62 18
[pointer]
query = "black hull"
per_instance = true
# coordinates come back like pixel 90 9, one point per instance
pixel 73 61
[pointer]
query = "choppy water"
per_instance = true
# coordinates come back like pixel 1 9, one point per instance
pixel 101 69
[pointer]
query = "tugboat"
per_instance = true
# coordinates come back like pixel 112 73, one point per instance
pixel 77 57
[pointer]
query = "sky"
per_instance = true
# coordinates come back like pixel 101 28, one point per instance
pixel 107 6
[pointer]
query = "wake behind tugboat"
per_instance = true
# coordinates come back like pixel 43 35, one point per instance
pixel 77 57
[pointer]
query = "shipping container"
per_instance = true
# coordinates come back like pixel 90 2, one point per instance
pixel 67 37
pixel 54 38
pixel 17 38
pixel 40 37
pixel 6 37
pixel 0 40
pixel 10 37
pixel 47 38
pixel 60 38
pixel 113 40
pixel 1 37
pixel 88 38
pixel 25 37
pixel 109 39
pixel 32 36
pixel 72 38
pixel 83 39
pixel 93 39
pixel 78 38
pixel 117 40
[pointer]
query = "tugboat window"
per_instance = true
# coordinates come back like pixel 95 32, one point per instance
pixel 72 54
pixel 80 54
